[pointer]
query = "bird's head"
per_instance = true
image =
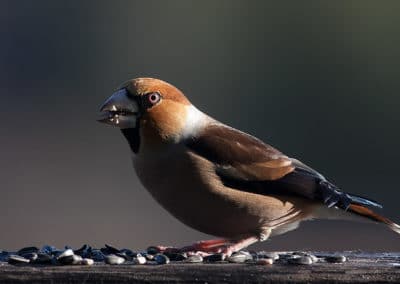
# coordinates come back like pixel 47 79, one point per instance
pixel 157 107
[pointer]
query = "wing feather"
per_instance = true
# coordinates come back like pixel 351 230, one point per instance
pixel 240 155
pixel 246 163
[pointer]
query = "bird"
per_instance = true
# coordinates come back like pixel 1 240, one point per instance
pixel 217 179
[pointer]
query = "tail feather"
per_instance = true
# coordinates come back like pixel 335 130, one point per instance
pixel 332 196
pixel 368 213
pixel 363 201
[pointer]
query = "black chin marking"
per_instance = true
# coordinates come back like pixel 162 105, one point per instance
pixel 133 137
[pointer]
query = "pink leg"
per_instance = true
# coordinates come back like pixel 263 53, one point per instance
pixel 224 246
pixel 206 246
pixel 241 244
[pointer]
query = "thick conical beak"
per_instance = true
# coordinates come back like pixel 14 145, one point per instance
pixel 119 110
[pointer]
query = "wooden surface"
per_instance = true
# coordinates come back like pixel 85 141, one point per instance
pixel 360 268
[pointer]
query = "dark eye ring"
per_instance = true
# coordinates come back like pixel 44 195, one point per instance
pixel 154 98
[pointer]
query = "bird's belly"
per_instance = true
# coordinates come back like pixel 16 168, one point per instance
pixel 187 187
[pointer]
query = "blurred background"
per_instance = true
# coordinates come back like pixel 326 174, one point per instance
pixel 316 79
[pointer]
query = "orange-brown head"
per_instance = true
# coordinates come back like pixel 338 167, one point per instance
pixel 160 110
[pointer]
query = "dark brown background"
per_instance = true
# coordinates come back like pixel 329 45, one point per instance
pixel 317 79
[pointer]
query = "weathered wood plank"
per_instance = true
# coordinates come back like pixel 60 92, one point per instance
pixel 360 268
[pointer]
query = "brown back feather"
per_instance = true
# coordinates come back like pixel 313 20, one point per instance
pixel 240 154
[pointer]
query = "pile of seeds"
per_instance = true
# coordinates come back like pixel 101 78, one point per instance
pixel 86 255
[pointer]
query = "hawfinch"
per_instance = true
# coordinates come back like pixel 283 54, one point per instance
pixel 217 179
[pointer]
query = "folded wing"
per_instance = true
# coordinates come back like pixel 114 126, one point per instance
pixel 246 163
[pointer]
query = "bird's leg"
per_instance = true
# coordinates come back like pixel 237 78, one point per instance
pixel 238 245
pixel 210 246
pixel 207 246
pixel 245 242
pixel 224 246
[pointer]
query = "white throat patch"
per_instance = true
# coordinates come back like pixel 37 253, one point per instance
pixel 195 122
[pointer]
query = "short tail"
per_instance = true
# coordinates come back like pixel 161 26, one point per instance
pixel 359 206
pixel 368 213
pixel 332 196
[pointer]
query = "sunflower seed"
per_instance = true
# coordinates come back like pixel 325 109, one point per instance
pixel 265 261
pixel 301 253
pixel 286 256
pixel 194 259
pixel 139 260
pixel 153 250
pixel 314 258
pixel 176 256
pixel 161 258
pixel 70 259
pixel 67 252
pixel 96 255
pixel 150 256
pixel 127 252
pixel 17 259
pixel 114 259
pixel 124 256
pixel 3 255
pixel 109 250
pixel 214 257
pixel 43 258
pixel 31 256
pixel 335 259
pixel 47 249
pixel 66 260
pixel 87 261
pixel 302 260
pixel 84 251
pixel 239 257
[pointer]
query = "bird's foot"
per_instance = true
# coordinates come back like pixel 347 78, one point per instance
pixel 208 247
pixel 228 250
pixel 203 248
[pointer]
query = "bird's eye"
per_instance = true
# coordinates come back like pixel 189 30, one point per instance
pixel 154 98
